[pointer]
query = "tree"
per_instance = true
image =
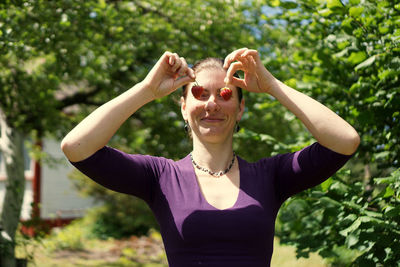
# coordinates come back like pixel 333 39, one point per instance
pixel 61 59
pixel 346 55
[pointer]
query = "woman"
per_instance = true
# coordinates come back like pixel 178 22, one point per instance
pixel 213 207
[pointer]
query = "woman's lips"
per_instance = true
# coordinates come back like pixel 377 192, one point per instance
pixel 212 119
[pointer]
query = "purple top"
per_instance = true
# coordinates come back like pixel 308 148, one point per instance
pixel 196 233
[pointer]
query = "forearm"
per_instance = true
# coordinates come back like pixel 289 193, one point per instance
pixel 96 130
pixel 327 127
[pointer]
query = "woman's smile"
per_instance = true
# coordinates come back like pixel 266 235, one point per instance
pixel 212 119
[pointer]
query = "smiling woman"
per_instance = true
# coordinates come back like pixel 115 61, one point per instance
pixel 214 208
pixel 210 116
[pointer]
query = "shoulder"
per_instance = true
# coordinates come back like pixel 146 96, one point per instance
pixel 116 157
pixel 260 163
pixel 264 167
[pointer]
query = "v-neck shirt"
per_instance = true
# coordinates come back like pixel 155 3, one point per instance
pixel 194 232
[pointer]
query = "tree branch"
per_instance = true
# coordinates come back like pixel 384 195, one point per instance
pixel 78 98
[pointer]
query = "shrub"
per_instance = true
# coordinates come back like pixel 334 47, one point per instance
pixel 339 216
pixel 70 237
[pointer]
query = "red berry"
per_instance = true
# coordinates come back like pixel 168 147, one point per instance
pixel 197 90
pixel 226 93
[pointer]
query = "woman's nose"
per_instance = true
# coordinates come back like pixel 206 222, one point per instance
pixel 211 104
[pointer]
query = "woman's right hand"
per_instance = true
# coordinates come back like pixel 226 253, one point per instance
pixel 168 74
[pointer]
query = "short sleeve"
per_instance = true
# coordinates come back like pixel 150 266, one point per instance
pixel 121 172
pixel 298 171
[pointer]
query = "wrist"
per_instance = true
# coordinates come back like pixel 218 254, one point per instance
pixel 144 91
pixel 270 83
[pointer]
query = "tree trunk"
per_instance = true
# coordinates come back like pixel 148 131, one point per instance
pixel 11 147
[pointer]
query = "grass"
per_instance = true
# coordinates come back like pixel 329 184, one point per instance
pixel 285 256
pixel 117 253
pixel 70 247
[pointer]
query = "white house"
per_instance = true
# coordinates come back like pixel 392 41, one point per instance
pixel 49 185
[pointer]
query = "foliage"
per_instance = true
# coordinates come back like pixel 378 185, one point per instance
pixel 58 54
pixel 73 245
pixel 70 237
pixel 346 55
pixel 61 59
pixel 339 213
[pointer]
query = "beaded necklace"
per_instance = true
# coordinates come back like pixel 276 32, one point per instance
pixel 215 174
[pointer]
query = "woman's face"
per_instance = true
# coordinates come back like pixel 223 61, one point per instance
pixel 211 118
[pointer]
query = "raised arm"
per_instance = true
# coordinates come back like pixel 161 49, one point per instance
pixel 94 132
pixel 329 129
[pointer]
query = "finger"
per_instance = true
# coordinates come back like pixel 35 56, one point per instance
pixel 182 81
pixel 191 73
pixel 169 57
pixel 249 64
pixel 233 56
pixel 244 61
pixel 254 54
pixel 231 71
pixel 252 61
pixel 177 62
pixel 183 68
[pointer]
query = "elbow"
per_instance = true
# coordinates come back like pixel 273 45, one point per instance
pixel 66 148
pixel 63 145
pixel 353 141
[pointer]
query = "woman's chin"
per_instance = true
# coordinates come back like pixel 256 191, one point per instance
pixel 213 134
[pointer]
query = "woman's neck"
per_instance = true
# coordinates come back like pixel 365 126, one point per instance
pixel 215 157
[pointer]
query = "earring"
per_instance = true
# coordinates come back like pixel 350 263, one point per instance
pixel 186 127
pixel 237 127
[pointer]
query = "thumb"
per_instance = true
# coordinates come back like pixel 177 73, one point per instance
pixel 182 81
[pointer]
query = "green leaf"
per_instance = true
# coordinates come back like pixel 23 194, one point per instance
pixel 339 188
pixel 393 178
pixel 372 214
pixel 352 239
pixel 289 5
pixel 383 29
pixel 275 3
pixel 354 226
pixel 356 11
pixel 366 63
pixel 326 184
pixel 391 211
pixel 327 201
pixel 382 155
pixel 357 57
pixel 389 73
pixel 332 4
pixel 325 12
pixel 388 192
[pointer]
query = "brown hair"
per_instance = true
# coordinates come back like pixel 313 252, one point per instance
pixel 210 63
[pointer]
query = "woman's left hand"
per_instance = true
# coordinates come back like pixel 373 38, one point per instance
pixel 256 77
